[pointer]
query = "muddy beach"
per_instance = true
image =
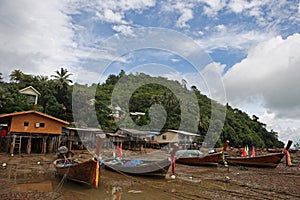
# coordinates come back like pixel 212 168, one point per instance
pixel 33 177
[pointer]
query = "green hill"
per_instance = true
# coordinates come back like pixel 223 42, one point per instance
pixel 166 104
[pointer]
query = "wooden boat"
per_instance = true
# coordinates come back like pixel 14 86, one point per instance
pixel 269 160
pixel 83 172
pixel 196 157
pixel 139 167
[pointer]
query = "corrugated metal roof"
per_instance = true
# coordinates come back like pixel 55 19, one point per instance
pixel 183 132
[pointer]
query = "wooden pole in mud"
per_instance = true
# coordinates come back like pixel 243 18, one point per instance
pixel 58 142
pixel 12 145
pixel 70 145
pixel 50 147
pixel 99 143
pixel 44 145
pixel 28 149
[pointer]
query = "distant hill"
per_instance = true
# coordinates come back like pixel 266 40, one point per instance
pixel 162 104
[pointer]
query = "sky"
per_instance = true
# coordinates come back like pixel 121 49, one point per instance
pixel 253 45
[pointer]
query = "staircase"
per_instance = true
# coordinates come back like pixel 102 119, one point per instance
pixel 17 140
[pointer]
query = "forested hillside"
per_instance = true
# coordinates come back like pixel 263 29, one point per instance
pixel 57 93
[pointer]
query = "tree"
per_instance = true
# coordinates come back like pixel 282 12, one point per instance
pixel 16 75
pixel 64 92
pixel 62 78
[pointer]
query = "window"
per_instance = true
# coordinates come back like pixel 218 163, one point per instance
pixel 26 123
pixel 164 137
pixel 42 124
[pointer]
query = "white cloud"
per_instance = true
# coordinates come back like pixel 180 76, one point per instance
pixel 112 11
pixel 113 17
pixel 221 28
pixel 187 14
pixel 237 6
pixel 126 30
pixel 233 37
pixel 271 71
pixel 35 37
pixel 185 10
pixel 213 6
pixel 266 12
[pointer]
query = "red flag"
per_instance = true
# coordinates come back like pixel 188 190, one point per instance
pixel 244 154
pixel 120 150
pixel 253 152
pixel 288 159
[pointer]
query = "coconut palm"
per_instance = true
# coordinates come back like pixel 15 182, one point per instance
pixel 16 75
pixel 62 77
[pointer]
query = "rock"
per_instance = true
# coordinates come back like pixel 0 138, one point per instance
pixel 227 178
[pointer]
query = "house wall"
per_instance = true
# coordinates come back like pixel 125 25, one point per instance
pixel 51 126
pixel 171 137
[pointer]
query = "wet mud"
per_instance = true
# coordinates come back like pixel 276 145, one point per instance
pixel 33 177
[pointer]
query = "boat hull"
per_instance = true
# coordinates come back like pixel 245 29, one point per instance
pixel 209 160
pixel 269 160
pixel 148 168
pixel 84 172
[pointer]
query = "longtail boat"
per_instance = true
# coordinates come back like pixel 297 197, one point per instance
pixel 86 172
pixel 196 157
pixel 139 167
pixel 83 172
pixel 269 160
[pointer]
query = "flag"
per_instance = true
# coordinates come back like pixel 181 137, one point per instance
pixel 114 152
pixel 247 150
pixel 120 150
pixel 253 154
pixel 244 154
pixel 288 159
pixel 96 181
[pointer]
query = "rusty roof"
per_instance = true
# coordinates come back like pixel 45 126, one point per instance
pixel 33 112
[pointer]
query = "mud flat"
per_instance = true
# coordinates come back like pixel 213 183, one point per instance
pixel 33 177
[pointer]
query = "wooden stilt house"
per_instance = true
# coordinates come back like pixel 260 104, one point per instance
pixel 31 131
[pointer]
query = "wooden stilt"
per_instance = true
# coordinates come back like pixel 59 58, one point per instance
pixel 50 146
pixel 55 144
pixel 12 145
pixel 58 142
pixel 70 145
pixel 99 143
pixel 44 145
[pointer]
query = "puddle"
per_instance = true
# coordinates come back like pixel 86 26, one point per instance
pixel 40 187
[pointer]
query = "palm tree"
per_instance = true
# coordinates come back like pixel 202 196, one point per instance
pixel 16 75
pixel 62 77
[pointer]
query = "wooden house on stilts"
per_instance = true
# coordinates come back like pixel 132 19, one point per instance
pixel 31 132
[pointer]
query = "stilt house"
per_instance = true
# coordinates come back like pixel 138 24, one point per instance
pixel 31 131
